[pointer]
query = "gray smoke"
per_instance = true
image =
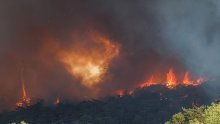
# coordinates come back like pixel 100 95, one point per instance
pixel 191 29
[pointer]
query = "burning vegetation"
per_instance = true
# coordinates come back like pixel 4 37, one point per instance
pixel 154 104
pixel 171 82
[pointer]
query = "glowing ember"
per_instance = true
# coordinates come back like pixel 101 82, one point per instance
pixel 57 101
pixel 90 64
pixel 171 79
pixel 24 101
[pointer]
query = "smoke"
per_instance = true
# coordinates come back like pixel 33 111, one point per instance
pixel 191 29
pixel 153 36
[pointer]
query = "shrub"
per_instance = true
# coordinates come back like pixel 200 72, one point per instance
pixel 198 115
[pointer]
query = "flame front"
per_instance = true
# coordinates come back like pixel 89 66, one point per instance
pixel 89 59
pixel 148 83
pixel 25 100
pixel 171 82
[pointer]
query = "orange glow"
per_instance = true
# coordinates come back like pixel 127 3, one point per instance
pixel 200 80
pixel 171 79
pixel 148 83
pixel 57 101
pixel 120 93
pixel 24 101
pixel 89 59
pixel 186 79
pixel 131 92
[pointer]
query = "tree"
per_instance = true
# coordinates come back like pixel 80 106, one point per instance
pixel 198 115
pixel 212 114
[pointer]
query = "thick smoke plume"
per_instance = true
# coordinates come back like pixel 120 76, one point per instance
pixel 153 36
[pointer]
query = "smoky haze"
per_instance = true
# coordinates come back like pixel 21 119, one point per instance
pixel 191 27
pixel 153 35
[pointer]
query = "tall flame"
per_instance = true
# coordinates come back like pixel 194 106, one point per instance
pixel 186 79
pixel 24 90
pixel 171 79
pixel 25 100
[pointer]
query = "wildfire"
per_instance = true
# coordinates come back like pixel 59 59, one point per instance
pixel 25 100
pixel 171 82
pixel 89 59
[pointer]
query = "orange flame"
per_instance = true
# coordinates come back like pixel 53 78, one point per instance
pixel 148 83
pixel 24 90
pixel 171 79
pixel 24 101
pixel 186 79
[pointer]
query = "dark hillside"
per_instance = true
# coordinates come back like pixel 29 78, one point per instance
pixel 154 105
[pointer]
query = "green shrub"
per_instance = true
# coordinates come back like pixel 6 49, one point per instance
pixel 198 115
pixel 212 114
